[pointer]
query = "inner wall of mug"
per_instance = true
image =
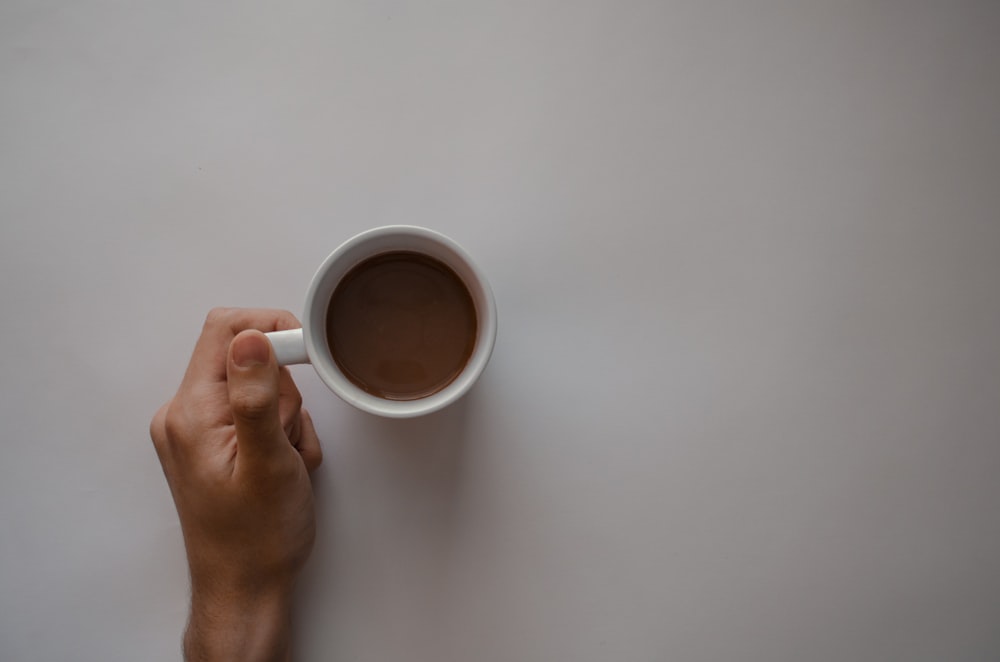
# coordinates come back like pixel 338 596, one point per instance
pixel 369 244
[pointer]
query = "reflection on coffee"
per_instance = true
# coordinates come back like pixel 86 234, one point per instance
pixel 401 325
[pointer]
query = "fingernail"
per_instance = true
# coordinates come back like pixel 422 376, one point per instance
pixel 250 349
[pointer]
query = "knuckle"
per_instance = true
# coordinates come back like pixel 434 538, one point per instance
pixel 287 320
pixel 292 424
pixel 217 315
pixel 252 402
pixel 157 431
pixel 291 397
pixel 311 460
pixel 173 433
pixel 173 424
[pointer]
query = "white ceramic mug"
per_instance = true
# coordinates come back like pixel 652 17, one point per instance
pixel 309 344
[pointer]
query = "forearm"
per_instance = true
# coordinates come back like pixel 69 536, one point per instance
pixel 226 627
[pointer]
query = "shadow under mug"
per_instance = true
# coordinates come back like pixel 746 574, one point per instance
pixel 309 344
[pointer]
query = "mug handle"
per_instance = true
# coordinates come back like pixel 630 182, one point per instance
pixel 289 346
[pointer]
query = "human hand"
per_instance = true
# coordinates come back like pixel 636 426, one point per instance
pixel 236 448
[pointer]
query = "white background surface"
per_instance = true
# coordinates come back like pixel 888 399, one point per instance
pixel 745 402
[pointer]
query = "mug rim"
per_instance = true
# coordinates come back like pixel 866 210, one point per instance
pixel 341 261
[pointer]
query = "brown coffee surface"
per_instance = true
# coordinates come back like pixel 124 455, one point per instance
pixel 401 325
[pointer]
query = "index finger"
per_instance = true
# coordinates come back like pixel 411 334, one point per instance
pixel 208 360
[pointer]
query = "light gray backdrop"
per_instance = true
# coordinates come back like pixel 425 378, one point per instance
pixel 745 403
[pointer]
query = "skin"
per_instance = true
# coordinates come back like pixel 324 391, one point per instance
pixel 237 447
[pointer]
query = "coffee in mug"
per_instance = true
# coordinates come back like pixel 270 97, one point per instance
pixel 401 325
pixel 399 321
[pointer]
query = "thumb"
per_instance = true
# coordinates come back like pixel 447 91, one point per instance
pixel 252 377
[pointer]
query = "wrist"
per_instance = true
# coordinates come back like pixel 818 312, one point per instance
pixel 230 623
